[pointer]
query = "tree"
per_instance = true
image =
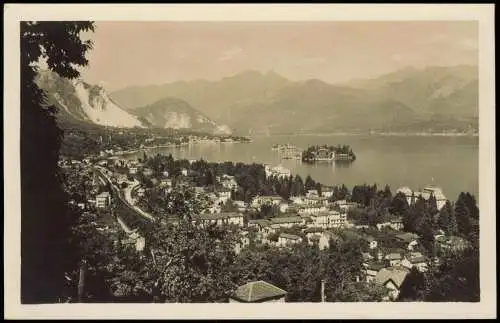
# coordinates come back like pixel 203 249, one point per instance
pixel 191 263
pixel 399 204
pixel 426 233
pixel 318 188
pixel 456 279
pixel 342 265
pixel 309 183
pixel 266 211
pixel 432 208
pixel 298 186
pixel 447 221
pixel 144 157
pixel 413 287
pixel 462 214
pixel 45 221
pixel 387 192
pixel 471 204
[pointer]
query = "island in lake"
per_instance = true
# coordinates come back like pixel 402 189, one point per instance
pixel 328 153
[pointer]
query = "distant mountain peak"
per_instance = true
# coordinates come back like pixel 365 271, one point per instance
pixel 415 98
pixel 83 102
pixel 174 113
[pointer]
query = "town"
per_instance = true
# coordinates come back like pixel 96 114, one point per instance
pixel 267 206
pixel 270 166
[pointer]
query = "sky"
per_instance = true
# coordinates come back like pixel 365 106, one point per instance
pixel 145 53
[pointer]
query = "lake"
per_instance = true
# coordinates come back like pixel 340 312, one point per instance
pixel 413 161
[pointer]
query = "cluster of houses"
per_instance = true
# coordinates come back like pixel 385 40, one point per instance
pixel 317 218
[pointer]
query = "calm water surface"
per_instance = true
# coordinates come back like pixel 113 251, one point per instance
pixel 449 162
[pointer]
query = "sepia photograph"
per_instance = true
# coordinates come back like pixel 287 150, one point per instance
pixel 249 159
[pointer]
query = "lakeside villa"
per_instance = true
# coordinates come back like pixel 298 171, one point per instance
pixel 426 193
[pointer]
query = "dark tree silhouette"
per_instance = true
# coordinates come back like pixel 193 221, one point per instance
pixel 413 287
pixel 45 220
pixel 399 204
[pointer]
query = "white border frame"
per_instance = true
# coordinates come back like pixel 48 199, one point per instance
pixel 13 13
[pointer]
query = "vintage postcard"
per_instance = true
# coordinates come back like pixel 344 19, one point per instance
pixel 249 161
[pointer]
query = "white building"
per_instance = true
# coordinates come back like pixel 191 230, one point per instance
pixel 327 219
pixel 312 193
pixel 284 207
pixel 234 218
pixel 258 201
pixel 220 218
pixel 240 205
pixel 425 194
pixel 228 182
pixel 286 239
pixel 308 200
pixel 393 259
pixel 372 268
pixel 415 259
pixel 345 205
pixel 286 222
pixel 323 239
pixel 224 196
pixel 140 191
pixel 436 191
pixel 311 209
pixel 103 200
pixel 326 192
pixel 297 200
pixel 277 171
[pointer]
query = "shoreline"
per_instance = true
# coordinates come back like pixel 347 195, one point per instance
pixel 136 150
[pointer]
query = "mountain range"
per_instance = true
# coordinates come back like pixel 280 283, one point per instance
pixel 80 102
pixel 408 100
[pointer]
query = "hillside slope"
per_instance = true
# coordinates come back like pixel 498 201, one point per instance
pixel 77 100
pixel 177 114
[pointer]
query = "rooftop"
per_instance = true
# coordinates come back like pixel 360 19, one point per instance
pixel 257 291
pixel 396 274
pixel 260 222
pixel 231 214
pixel 393 256
pixel 289 236
pixel 405 190
pixel 417 260
pixel 288 219
pixel 375 265
pixel 316 198
pixel 407 236
pixel 313 230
